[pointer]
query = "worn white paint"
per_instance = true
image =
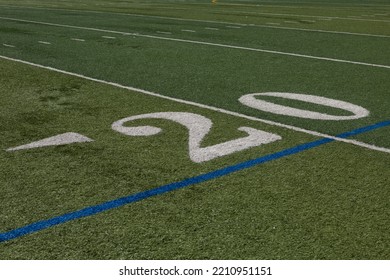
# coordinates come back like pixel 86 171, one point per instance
pixel 44 42
pixel 61 139
pixel 188 30
pixel 77 39
pixel 198 127
pixel 250 100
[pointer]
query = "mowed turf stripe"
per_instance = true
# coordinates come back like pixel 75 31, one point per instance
pixel 93 210
pixel 200 43
pixel 212 108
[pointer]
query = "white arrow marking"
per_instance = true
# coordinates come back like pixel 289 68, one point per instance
pixel 61 139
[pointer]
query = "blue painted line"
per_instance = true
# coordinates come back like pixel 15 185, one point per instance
pixel 89 211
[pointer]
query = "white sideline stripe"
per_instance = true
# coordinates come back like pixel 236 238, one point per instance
pixel 203 43
pixel 9 46
pixel 199 105
pixel 77 39
pixel 44 42
pixel 108 37
pixel 209 21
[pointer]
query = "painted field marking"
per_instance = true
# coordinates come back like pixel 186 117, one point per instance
pixel 77 39
pixel 201 43
pixel 251 101
pixel 211 21
pixel 357 5
pixel 116 203
pixel 232 26
pixel 199 105
pixel 108 37
pixel 198 127
pixel 298 7
pixel 57 140
pixel 188 30
pixel 310 16
pixel 272 23
pixel 320 31
pixel 8 46
pixel 44 42
pixel 211 28
pixel 126 14
pixel 164 32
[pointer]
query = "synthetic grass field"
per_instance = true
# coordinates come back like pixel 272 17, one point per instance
pixel 177 156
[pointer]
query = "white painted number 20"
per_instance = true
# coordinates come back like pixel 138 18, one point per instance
pixel 198 127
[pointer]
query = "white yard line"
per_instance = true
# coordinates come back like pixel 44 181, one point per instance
pixel 108 37
pixel 188 30
pixel 212 108
pixel 328 4
pixel 126 14
pixel 310 16
pixel 213 21
pixel 77 39
pixel 211 28
pixel 164 32
pixel 44 42
pixel 232 26
pixel 205 43
pixel 8 46
pixel 319 30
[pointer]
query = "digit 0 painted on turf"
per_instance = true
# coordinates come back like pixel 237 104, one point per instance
pixel 250 100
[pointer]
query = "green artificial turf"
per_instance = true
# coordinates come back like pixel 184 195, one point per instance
pixel 330 202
